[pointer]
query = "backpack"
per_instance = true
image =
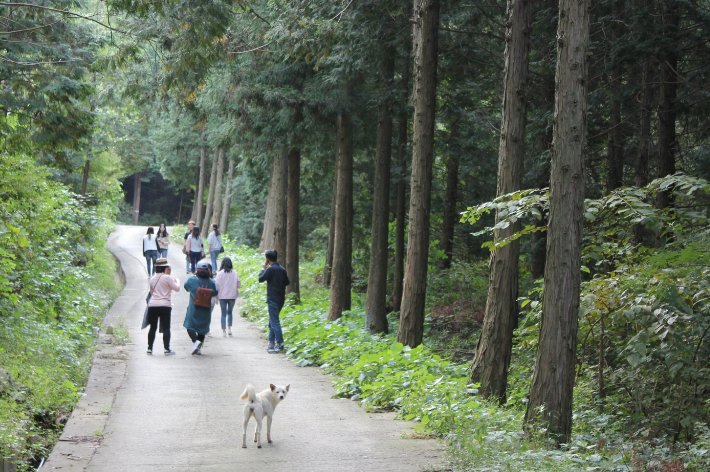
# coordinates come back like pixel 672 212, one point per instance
pixel 203 296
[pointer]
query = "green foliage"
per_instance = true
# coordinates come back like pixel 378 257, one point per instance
pixel 60 280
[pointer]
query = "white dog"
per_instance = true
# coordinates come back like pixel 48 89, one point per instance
pixel 261 405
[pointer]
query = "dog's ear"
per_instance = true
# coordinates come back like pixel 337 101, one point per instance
pixel 287 386
pixel 272 387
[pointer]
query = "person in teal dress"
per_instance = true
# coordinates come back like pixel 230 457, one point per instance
pixel 198 319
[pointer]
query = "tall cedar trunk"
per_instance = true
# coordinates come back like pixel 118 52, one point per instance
pixel 615 158
pixel 85 176
pixel 224 222
pixel 274 234
pixel 376 301
pixel 293 221
pixel 401 210
pixel 490 367
pixel 342 247
pixel 204 223
pixel 200 192
pixel 217 214
pixel 667 102
pixel 551 390
pixel 425 40
pixel 136 196
pixel 452 180
pixel 644 151
pixel 328 269
pixel 400 215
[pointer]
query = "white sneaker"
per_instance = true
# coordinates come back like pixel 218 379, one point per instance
pixel 224 335
pixel 199 352
pixel 169 352
pixel 196 347
pixel 229 331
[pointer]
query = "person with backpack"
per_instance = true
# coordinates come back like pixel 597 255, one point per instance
pixel 199 310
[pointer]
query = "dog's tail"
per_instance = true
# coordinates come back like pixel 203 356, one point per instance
pixel 249 393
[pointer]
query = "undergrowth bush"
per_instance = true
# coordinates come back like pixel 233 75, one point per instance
pixel 434 391
pixel 58 283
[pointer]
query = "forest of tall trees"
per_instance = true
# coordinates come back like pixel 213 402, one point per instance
pixel 530 178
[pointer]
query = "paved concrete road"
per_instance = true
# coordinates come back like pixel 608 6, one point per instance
pixel 183 413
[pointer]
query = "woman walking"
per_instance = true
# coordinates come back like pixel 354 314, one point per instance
pixel 214 244
pixel 160 306
pixel 163 240
pixel 228 284
pixel 195 247
pixel 150 250
pixel 198 317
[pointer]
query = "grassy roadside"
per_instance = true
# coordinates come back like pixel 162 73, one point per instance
pixel 44 363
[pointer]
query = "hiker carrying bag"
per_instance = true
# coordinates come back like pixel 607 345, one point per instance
pixel 203 296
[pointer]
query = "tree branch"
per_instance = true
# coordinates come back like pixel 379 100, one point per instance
pixel 12 4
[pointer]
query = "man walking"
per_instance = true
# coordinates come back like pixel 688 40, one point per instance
pixel 276 281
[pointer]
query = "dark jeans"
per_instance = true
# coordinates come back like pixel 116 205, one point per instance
pixel 195 257
pixel 194 336
pixel 275 334
pixel 150 257
pixel 161 313
pixel 227 307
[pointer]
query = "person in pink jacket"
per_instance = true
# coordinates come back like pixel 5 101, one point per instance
pixel 160 305
pixel 228 284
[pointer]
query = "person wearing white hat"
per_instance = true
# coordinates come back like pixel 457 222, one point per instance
pixel 160 305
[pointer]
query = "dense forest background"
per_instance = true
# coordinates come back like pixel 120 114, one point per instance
pixel 518 187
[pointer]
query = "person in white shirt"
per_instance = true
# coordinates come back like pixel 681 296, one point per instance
pixel 228 284
pixel 195 247
pixel 160 305
pixel 214 244
pixel 150 250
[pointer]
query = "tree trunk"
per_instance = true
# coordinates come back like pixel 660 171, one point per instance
pixel 425 41
pixel 615 158
pixel 376 301
pixel 490 367
pixel 85 176
pixel 328 270
pixel 450 215
pixel 217 214
pixel 400 215
pixel 667 104
pixel 224 222
pixel 200 191
pixel 193 211
pixel 644 151
pixel 274 234
pixel 550 405
pixel 342 247
pixel 204 223
pixel 293 219
pixel 136 196
pixel 401 210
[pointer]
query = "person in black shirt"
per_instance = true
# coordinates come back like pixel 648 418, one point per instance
pixel 276 281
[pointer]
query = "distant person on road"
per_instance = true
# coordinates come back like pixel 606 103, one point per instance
pixel 195 247
pixel 214 244
pixel 150 250
pixel 276 281
pixel 228 284
pixel 198 318
pixel 160 306
pixel 163 240
pixel 190 225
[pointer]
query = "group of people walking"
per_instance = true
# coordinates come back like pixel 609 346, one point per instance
pixel 205 288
